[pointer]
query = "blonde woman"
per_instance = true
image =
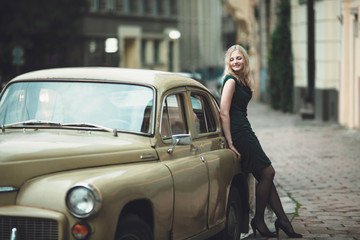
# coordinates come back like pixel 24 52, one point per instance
pixel 236 93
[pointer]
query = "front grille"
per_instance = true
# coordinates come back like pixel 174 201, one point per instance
pixel 28 228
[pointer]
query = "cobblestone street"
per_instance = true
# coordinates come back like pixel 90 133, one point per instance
pixel 317 169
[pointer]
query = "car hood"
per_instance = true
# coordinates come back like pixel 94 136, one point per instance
pixel 27 155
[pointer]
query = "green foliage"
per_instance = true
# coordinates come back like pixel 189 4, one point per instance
pixel 47 30
pixel 280 67
pixel 298 205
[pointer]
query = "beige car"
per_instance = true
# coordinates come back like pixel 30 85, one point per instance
pixel 111 153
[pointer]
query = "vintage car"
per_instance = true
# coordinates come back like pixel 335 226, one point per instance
pixel 111 153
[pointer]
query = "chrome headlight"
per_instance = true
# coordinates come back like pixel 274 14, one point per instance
pixel 83 200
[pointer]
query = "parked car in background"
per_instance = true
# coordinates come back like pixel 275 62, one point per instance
pixel 111 153
pixel 200 78
pixel 194 75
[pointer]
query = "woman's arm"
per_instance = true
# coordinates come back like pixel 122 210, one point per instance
pixel 226 97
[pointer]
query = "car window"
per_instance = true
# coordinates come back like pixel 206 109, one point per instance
pixel 120 106
pixel 204 119
pixel 173 118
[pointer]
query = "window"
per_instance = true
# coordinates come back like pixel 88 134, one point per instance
pixel 119 5
pixel 356 26
pixel 124 107
pixel 143 52
pixel 173 7
pixel 94 5
pixel 142 6
pixel 157 7
pixel 204 119
pixel 110 5
pixel 173 118
pixel 134 6
pixel 126 6
pixel 102 4
pixel 156 51
pixel 147 5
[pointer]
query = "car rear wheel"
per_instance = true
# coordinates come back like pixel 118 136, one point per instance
pixel 132 227
pixel 233 213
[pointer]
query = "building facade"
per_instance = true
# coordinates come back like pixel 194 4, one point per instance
pixel 325 46
pixel 132 33
pixel 336 94
pixel 201 43
pixel 316 44
pixel 349 86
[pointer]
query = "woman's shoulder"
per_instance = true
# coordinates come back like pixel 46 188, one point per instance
pixel 227 77
pixel 240 83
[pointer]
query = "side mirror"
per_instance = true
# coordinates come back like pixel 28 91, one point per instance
pixel 180 139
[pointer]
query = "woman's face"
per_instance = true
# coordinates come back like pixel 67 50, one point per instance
pixel 236 61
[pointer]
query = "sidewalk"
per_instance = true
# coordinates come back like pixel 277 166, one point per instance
pixel 317 170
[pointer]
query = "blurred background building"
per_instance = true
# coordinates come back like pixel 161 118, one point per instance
pixel 325 50
pixel 192 36
pixel 132 34
pixel 201 43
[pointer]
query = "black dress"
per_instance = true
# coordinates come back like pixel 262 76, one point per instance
pixel 244 139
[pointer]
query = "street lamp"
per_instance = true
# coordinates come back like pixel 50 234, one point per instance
pixel 174 34
pixel 111 45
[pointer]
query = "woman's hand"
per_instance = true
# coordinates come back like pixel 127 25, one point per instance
pixel 232 148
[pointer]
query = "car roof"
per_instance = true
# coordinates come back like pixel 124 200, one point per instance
pixel 159 79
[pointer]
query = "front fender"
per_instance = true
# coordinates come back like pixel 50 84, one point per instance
pixel 118 185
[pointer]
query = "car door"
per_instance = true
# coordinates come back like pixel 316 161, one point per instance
pixel 189 171
pixel 211 142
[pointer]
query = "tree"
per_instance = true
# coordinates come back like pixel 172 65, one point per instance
pixel 47 30
pixel 280 61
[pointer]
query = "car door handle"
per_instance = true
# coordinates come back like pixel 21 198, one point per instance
pixel 202 159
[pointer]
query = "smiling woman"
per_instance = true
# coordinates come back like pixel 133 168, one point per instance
pixel 236 94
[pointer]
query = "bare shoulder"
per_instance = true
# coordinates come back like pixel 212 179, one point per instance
pixel 229 84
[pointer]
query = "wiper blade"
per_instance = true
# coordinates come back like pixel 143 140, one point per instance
pixel 91 125
pixel 32 122
pixel 51 123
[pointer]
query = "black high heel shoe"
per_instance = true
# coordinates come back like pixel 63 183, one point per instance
pixel 255 227
pixel 278 225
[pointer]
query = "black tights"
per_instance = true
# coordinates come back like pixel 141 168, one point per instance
pixel 266 193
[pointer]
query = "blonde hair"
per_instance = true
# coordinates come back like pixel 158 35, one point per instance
pixel 245 76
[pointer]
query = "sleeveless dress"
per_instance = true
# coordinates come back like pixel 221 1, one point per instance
pixel 253 158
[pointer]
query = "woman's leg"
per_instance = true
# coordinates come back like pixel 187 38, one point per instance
pixel 276 206
pixel 266 192
pixel 264 187
pixel 275 203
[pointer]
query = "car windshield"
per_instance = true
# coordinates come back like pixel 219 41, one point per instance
pixel 125 107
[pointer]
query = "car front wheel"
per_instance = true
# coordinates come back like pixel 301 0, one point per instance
pixel 132 227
